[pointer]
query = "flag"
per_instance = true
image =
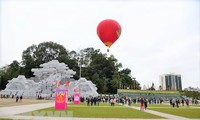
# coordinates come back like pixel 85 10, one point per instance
pixel 67 83
pixel 57 83
pixel 74 89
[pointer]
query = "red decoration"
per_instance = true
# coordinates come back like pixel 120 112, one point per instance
pixel 57 83
pixel 74 89
pixel 67 83
pixel 108 31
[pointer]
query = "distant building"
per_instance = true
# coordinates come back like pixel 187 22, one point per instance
pixel 170 82
pixel 192 89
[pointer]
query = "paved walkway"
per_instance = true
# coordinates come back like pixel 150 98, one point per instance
pixel 12 102
pixel 10 112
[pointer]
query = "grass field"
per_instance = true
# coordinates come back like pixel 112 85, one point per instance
pixel 153 105
pixel 193 111
pixel 183 112
pixel 104 110
pixel 195 105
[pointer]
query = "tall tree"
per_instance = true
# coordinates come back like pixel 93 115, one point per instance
pixel 102 70
pixel 115 82
pixel 34 55
pixel 13 70
pixel 9 72
pixel 125 78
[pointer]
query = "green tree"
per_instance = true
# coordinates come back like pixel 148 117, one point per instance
pixel 126 80
pixel 13 70
pixel 115 82
pixel 193 94
pixel 102 70
pixel 103 66
pixel 9 72
pixel 152 87
pixel 3 79
pixel 135 84
pixel 99 82
pixel 35 55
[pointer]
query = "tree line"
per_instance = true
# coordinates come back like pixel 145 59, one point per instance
pixel 104 71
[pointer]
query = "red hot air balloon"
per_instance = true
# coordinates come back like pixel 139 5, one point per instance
pixel 108 31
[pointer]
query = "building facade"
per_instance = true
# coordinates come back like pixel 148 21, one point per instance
pixel 170 82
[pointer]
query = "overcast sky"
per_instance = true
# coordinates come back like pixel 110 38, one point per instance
pixel 158 36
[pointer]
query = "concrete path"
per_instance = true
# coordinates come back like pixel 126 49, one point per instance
pixel 10 112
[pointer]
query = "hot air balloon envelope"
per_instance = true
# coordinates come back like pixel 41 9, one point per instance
pixel 108 31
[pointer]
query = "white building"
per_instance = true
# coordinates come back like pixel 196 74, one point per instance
pixel 170 82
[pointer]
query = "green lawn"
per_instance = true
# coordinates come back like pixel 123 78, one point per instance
pixel 153 105
pixel 104 110
pixel 192 112
pixel 195 105
pixel 9 119
pixel 182 111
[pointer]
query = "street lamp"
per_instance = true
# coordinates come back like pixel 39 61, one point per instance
pixel 79 62
pixel 80 57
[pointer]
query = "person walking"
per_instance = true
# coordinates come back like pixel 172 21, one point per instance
pixel 17 98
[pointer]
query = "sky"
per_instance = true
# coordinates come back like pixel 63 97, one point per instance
pixel 158 36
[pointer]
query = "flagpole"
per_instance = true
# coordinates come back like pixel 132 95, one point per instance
pixel 80 69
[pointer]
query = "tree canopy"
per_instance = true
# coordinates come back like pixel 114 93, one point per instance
pixel 104 71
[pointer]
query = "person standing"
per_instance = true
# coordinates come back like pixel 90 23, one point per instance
pixel 92 101
pixel 88 101
pixel 95 101
pixel 177 103
pixel 142 104
pixel 173 102
pixel 129 102
pixel 182 101
pixel 145 104
pixel 111 102
pixel 187 103
pixel 17 98
pixel 20 98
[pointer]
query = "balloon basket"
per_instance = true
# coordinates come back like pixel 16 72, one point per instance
pixel 107 50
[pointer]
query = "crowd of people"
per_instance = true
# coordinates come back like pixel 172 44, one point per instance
pixel 18 96
pixel 95 101
pixel 177 102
